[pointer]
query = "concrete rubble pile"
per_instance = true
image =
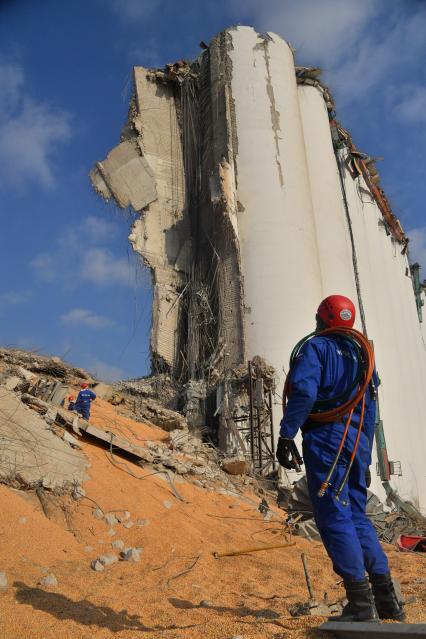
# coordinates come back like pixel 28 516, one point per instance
pixel 41 440
pixel 18 361
pixel 153 400
pixel 159 387
pixel 31 455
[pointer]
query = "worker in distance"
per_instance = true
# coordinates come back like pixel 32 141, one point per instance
pixel 84 400
pixel 332 371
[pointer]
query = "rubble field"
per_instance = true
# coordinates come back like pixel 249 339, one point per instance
pixel 129 549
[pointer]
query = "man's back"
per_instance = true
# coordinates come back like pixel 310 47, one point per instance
pixel 85 396
pixel 325 375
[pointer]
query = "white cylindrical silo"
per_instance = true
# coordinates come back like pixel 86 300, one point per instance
pixel 393 325
pixel 334 246
pixel 279 253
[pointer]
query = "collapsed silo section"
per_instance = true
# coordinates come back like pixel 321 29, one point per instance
pixel 145 172
pixel 175 168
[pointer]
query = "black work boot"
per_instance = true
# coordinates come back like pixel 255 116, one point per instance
pixel 360 606
pixel 387 603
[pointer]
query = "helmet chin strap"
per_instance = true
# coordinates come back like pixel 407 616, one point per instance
pixel 320 324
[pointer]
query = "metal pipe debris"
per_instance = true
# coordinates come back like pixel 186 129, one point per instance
pixel 244 551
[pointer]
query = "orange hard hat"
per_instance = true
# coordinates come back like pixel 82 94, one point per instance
pixel 336 310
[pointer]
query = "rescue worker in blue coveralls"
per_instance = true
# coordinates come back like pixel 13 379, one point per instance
pixel 325 367
pixel 84 400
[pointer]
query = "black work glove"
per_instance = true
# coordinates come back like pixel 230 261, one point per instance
pixel 284 453
pixel 368 477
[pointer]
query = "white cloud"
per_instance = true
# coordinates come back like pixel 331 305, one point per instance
pixel 319 29
pixel 102 268
pixel 14 298
pixel 134 10
pixel 84 317
pixel 105 371
pixel 44 267
pixel 380 58
pixel 30 132
pixel 417 246
pixel 412 106
pixel 99 229
pixel 359 44
pixel 70 262
pixel 11 85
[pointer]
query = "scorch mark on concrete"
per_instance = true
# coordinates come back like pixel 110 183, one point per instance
pixel 275 115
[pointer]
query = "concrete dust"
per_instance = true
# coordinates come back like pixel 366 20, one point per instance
pixel 159 596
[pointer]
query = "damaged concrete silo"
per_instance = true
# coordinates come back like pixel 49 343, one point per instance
pixel 253 205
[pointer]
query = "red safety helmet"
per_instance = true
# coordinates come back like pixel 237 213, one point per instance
pixel 70 398
pixel 336 310
pixel 84 385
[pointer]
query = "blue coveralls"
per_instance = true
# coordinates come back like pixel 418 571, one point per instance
pixel 325 367
pixel 83 401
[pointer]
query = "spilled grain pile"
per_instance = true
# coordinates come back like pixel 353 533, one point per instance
pixel 178 589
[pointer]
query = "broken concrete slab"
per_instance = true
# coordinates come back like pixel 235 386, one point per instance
pixel 33 456
pixel 161 234
pixel 97 566
pixel 122 517
pixel 236 466
pixel 126 176
pixel 12 383
pixel 66 419
pixel 49 580
pixel 27 375
pixel 72 441
pixel 118 544
pixel 131 554
pixel 108 560
pixel 110 519
pixel 152 411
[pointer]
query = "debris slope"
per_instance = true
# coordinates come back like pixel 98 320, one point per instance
pixel 133 552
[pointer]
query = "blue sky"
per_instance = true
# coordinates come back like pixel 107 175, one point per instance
pixel 69 284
